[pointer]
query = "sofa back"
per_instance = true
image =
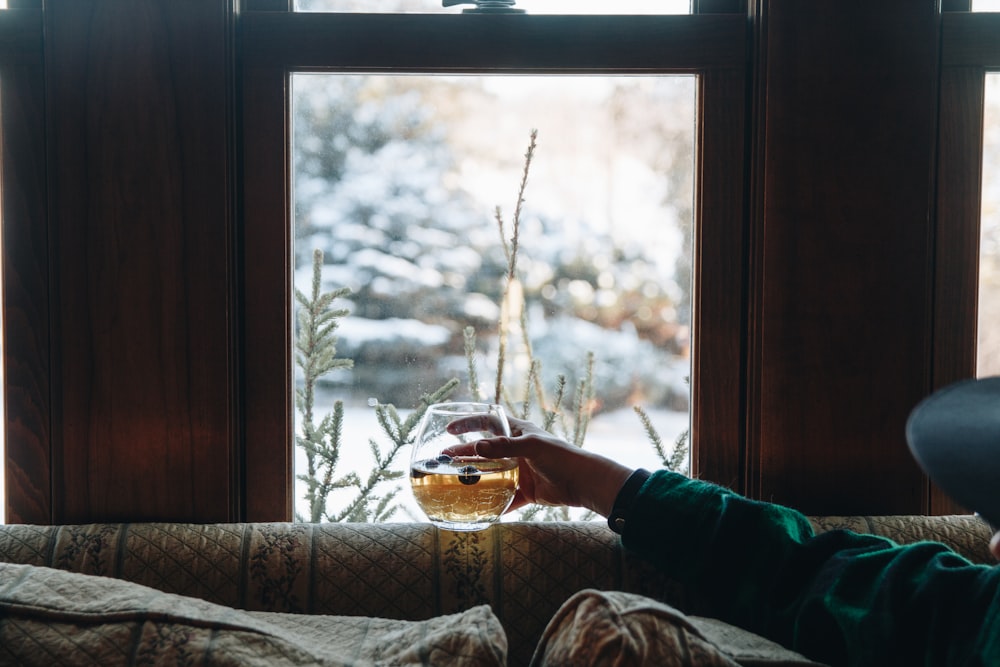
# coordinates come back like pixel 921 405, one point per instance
pixel 524 571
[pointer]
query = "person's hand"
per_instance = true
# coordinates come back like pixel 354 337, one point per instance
pixel 552 471
pixel 995 545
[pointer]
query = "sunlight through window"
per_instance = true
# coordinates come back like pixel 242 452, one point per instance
pixel 590 7
pixel 3 402
pixel 988 346
pixel 397 180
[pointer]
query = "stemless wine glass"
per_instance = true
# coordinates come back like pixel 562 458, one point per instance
pixel 461 491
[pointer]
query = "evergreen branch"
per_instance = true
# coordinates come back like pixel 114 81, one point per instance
pixel 357 508
pixel 531 382
pixel 516 221
pixel 587 410
pixel 501 354
pixel 581 387
pixel 525 332
pixel 651 433
pixel 679 458
pixel 529 513
pixel 511 255
pixel 556 410
pixel 316 355
pixel 498 217
pixel 470 358
pixel 384 509
pixel 334 427
pixel 388 419
pixel 438 396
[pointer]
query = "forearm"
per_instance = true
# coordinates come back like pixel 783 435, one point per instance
pixel 598 482
pixel 841 598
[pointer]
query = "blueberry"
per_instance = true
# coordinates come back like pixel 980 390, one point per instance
pixel 468 475
pixel 444 458
pixel 431 463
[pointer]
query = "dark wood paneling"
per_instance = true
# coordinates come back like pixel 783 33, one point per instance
pixel 970 40
pixel 849 133
pixel 268 5
pixel 138 181
pixel 25 270
pixel 956 5
pixel 491 42
pixel 140 398
pixel 719 7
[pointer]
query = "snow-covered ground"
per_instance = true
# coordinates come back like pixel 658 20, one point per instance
pixel 617 434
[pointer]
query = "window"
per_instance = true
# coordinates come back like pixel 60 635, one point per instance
pixel 3 450
pixel 3 447
pixel 988 342
pixel 286 52
pixel 965 291
pixel 591 7
pixel 396 179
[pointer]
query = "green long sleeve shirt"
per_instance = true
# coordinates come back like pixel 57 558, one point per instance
pixel 839 597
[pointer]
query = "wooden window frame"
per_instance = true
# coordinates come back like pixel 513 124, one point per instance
pixel 970 47
pixel 26 363
pixel 277 42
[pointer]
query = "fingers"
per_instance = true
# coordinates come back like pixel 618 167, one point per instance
pixel 504 447
pixel 494 448
pixel 487 423
pixel 468 449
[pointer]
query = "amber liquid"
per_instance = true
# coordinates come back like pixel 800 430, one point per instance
pixel 468 492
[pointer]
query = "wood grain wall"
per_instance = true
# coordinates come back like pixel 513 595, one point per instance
pixel 848 134
pixel 139 176
pixel 27 363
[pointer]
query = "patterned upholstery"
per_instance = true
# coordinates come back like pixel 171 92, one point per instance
pixel 52 617
pixel 524 571
pixel 965 533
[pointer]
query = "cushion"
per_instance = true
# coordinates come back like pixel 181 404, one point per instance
pixel 50 616
pixel 615 628
pixel 747 648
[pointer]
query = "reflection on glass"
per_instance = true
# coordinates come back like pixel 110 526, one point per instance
pixel 530 6
pixel 988 348
pixel 986 5
pixel 397 179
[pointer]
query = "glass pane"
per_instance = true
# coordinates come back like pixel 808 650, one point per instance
pixel 3 384
pixel 988 350
pixel 530 6
pixel 397 180
pixel 986 5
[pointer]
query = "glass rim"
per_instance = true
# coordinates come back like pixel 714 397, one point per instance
pixel 464 407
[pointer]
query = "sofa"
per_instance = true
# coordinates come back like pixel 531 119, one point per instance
pixel 295 593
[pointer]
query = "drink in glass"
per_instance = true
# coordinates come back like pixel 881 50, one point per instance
pixel 458 490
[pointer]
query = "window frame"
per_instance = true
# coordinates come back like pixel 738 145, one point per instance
pixel 26 317
pixel 970 48
pixel 276 43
